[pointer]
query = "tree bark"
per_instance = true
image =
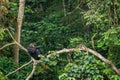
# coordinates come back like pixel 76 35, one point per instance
pixel 18 29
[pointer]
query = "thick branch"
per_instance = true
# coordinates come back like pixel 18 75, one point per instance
pixel 21 47
pixel 61 51
pixel 84 48
pixel 19 68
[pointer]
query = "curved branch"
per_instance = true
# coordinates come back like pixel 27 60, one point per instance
pixel 7 45
pixel 33 70
pixel 61 51
pixel 19 68
pixel 84 48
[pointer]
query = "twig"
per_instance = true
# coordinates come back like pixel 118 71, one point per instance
pixel 92 39
pixel 19 68
pixel 115 13
pixel 64 8
pixel 92 42
pixel 15 42
pixel 10 34
pixel 12 44
pixel 77 7
pixel 33 70
pixel 7 45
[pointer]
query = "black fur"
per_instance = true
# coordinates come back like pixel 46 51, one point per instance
pixel 34 51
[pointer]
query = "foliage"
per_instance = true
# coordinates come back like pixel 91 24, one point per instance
pixel 6 65
pixel 87 22
pixel 110 40
pixel 3 11
pixel 74 42
pixel 110 37
pixel 49 35
pixel 1 33
pixel 2 77
pixel 83 67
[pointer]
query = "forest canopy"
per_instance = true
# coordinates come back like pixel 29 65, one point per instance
pixel 79 39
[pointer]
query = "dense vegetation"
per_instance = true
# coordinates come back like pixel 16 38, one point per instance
pixel 57 24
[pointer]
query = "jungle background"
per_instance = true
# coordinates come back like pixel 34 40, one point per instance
pixel 57 24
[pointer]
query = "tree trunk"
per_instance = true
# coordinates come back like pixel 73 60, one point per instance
pixel 18 29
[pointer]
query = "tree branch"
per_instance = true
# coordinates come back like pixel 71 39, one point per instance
pixel 33 70
pixel 7 45
pixel 84 48
pixel 15 42
pixel 21 47
pixel 77 7
pixel 92 42
pixel 10 34
pixel 19 68
pixel 64 7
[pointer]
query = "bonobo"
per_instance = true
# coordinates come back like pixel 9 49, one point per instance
pixel 34 51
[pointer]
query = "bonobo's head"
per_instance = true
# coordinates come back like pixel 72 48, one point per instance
pixel 31 45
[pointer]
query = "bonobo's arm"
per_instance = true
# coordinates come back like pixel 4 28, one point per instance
pixel 38 51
